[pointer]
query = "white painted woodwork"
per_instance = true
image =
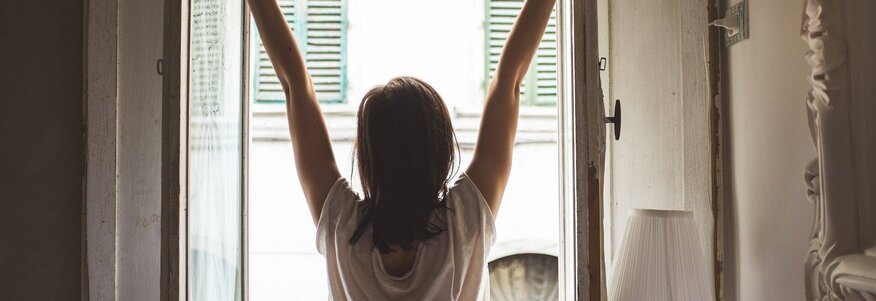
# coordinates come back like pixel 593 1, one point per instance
pixel 124 43
pixel 841 264
pixel 657 68
pixel 139 149
pixel 101 63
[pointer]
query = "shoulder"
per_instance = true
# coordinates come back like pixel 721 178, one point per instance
pixel 340 202
pixel 464 189
pixel 468 204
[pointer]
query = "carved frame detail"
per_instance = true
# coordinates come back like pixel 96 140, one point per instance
pixel 841 262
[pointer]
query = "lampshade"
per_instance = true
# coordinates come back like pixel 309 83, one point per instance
pixel 660 259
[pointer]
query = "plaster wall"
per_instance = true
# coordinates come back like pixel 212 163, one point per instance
pixel 767 145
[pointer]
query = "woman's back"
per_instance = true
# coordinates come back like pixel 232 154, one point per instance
pixel 452 266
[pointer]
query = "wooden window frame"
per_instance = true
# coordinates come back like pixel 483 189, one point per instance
pixel 174 152
pixel 174 282
pixel 581 151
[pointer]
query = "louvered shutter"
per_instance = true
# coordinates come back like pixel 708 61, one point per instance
pixel 540 85
pixel 267 85
pixel 544 69
pixel 326 48
pixel 320 27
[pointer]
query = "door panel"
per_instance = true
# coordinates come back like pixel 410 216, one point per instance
pixel 657 69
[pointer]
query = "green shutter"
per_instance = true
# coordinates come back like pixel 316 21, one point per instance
pixel 545 66
pixel 326 48
pixel 499 20
pixel 267 85
pixel 320 26
pixel 540 85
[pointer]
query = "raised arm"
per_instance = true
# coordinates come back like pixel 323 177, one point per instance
pixel 314 159
pixel 491 163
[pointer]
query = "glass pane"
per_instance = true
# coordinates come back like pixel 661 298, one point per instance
pixel 215 151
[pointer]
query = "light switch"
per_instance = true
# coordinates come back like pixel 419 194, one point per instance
pixel 736 15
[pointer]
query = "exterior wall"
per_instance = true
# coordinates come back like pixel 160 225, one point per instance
pixel 440 42
pixel 41 153
pixel 767 146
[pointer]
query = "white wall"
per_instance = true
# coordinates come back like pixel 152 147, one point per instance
pixel 440 42
pixel 767 144
pixel 656 68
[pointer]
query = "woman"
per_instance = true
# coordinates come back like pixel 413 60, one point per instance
pixel 411 236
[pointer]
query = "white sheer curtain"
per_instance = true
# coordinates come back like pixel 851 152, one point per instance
pixel 215 170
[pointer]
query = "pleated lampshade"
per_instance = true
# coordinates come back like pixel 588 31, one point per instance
pixel 660 259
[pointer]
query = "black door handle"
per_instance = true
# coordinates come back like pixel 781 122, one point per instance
pixel 616 119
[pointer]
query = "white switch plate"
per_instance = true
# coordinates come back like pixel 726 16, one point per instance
pixel 740 10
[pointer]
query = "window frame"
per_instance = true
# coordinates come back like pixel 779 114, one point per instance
pixel 581 135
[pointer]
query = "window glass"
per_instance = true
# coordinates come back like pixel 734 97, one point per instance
pixel 215 151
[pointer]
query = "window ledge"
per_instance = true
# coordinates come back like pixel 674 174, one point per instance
pixel 527 112
pixel 279 110
pixel 537 124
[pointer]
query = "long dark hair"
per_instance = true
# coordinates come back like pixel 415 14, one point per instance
pixel 406 152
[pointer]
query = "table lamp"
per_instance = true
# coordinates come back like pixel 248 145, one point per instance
pixel 660 259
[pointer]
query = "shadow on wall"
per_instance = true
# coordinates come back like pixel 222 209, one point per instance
pixel 41 158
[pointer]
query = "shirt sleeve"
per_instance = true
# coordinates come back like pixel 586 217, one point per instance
pixel 476 218
pixel 339 196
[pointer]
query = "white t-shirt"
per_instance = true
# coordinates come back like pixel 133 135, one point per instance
pixel 452 266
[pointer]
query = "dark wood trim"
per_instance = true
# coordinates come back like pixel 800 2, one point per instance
pixel 174 150
pixel 589 143
pixel 714 83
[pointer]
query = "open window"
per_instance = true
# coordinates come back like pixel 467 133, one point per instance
pixel 233 229
pixel 282 260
